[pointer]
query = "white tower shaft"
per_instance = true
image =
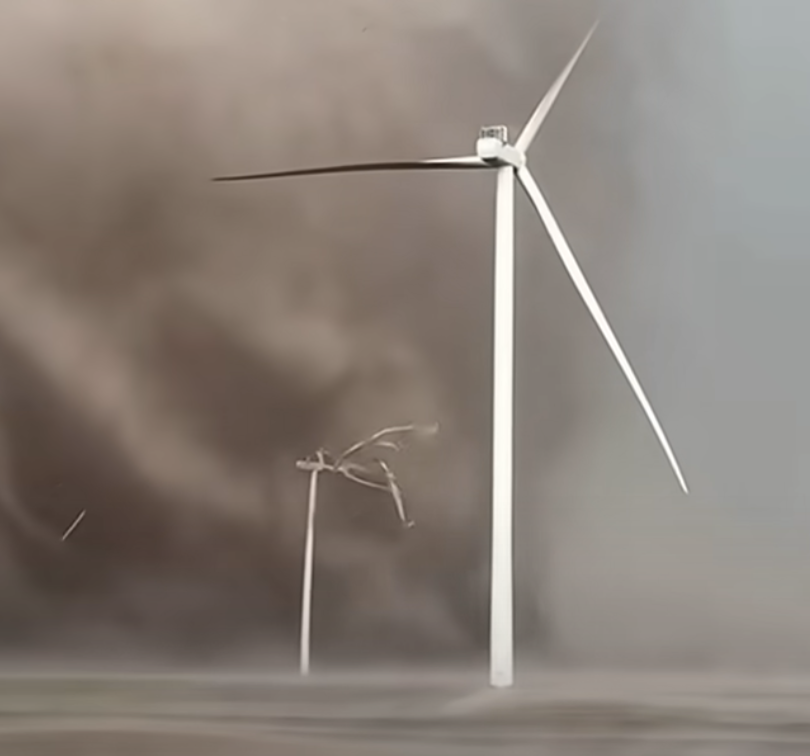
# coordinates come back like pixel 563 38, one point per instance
pixel 502 564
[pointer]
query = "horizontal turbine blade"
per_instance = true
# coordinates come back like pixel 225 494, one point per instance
pixel 534 123
pixel 441 164
pixel 578 277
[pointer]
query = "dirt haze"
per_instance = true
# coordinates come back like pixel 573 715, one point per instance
pixel 171 346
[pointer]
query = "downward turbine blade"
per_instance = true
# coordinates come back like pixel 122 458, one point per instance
pixel 441 164
pixel 534 123
pixel 578 277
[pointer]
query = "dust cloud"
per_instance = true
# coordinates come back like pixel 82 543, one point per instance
pixel 171 346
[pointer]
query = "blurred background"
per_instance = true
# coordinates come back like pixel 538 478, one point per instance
pixel 170 347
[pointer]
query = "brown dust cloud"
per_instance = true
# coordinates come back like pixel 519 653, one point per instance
pixel 170 347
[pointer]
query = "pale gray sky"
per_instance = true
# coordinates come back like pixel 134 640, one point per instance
pixel 714 310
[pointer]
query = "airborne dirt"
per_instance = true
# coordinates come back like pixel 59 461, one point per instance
pixel 170 347
pixel 420 712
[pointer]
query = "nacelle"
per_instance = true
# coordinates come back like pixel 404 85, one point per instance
pixel 491 141
pixel 492 146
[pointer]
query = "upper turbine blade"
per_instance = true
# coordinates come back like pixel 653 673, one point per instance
pixel 406 165
pixel 578 278
pixel 534 123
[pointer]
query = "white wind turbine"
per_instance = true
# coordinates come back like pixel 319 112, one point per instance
pixel 493 152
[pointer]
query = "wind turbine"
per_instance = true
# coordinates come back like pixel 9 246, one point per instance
pixel 495 153
pixel 345 465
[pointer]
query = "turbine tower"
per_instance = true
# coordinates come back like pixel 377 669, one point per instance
pixel 495 153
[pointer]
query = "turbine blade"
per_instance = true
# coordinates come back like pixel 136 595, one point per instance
pixel 578 277
pixel 468 161
pixel 441 164
pixel 543 108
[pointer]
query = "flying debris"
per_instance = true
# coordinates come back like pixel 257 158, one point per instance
pixel 495 153
pixel 74 525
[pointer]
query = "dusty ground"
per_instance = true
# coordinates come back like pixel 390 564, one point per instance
pixel 89 713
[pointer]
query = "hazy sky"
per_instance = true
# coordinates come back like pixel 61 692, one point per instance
pixel 170 346
pixel 724 161
pixel 714 310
